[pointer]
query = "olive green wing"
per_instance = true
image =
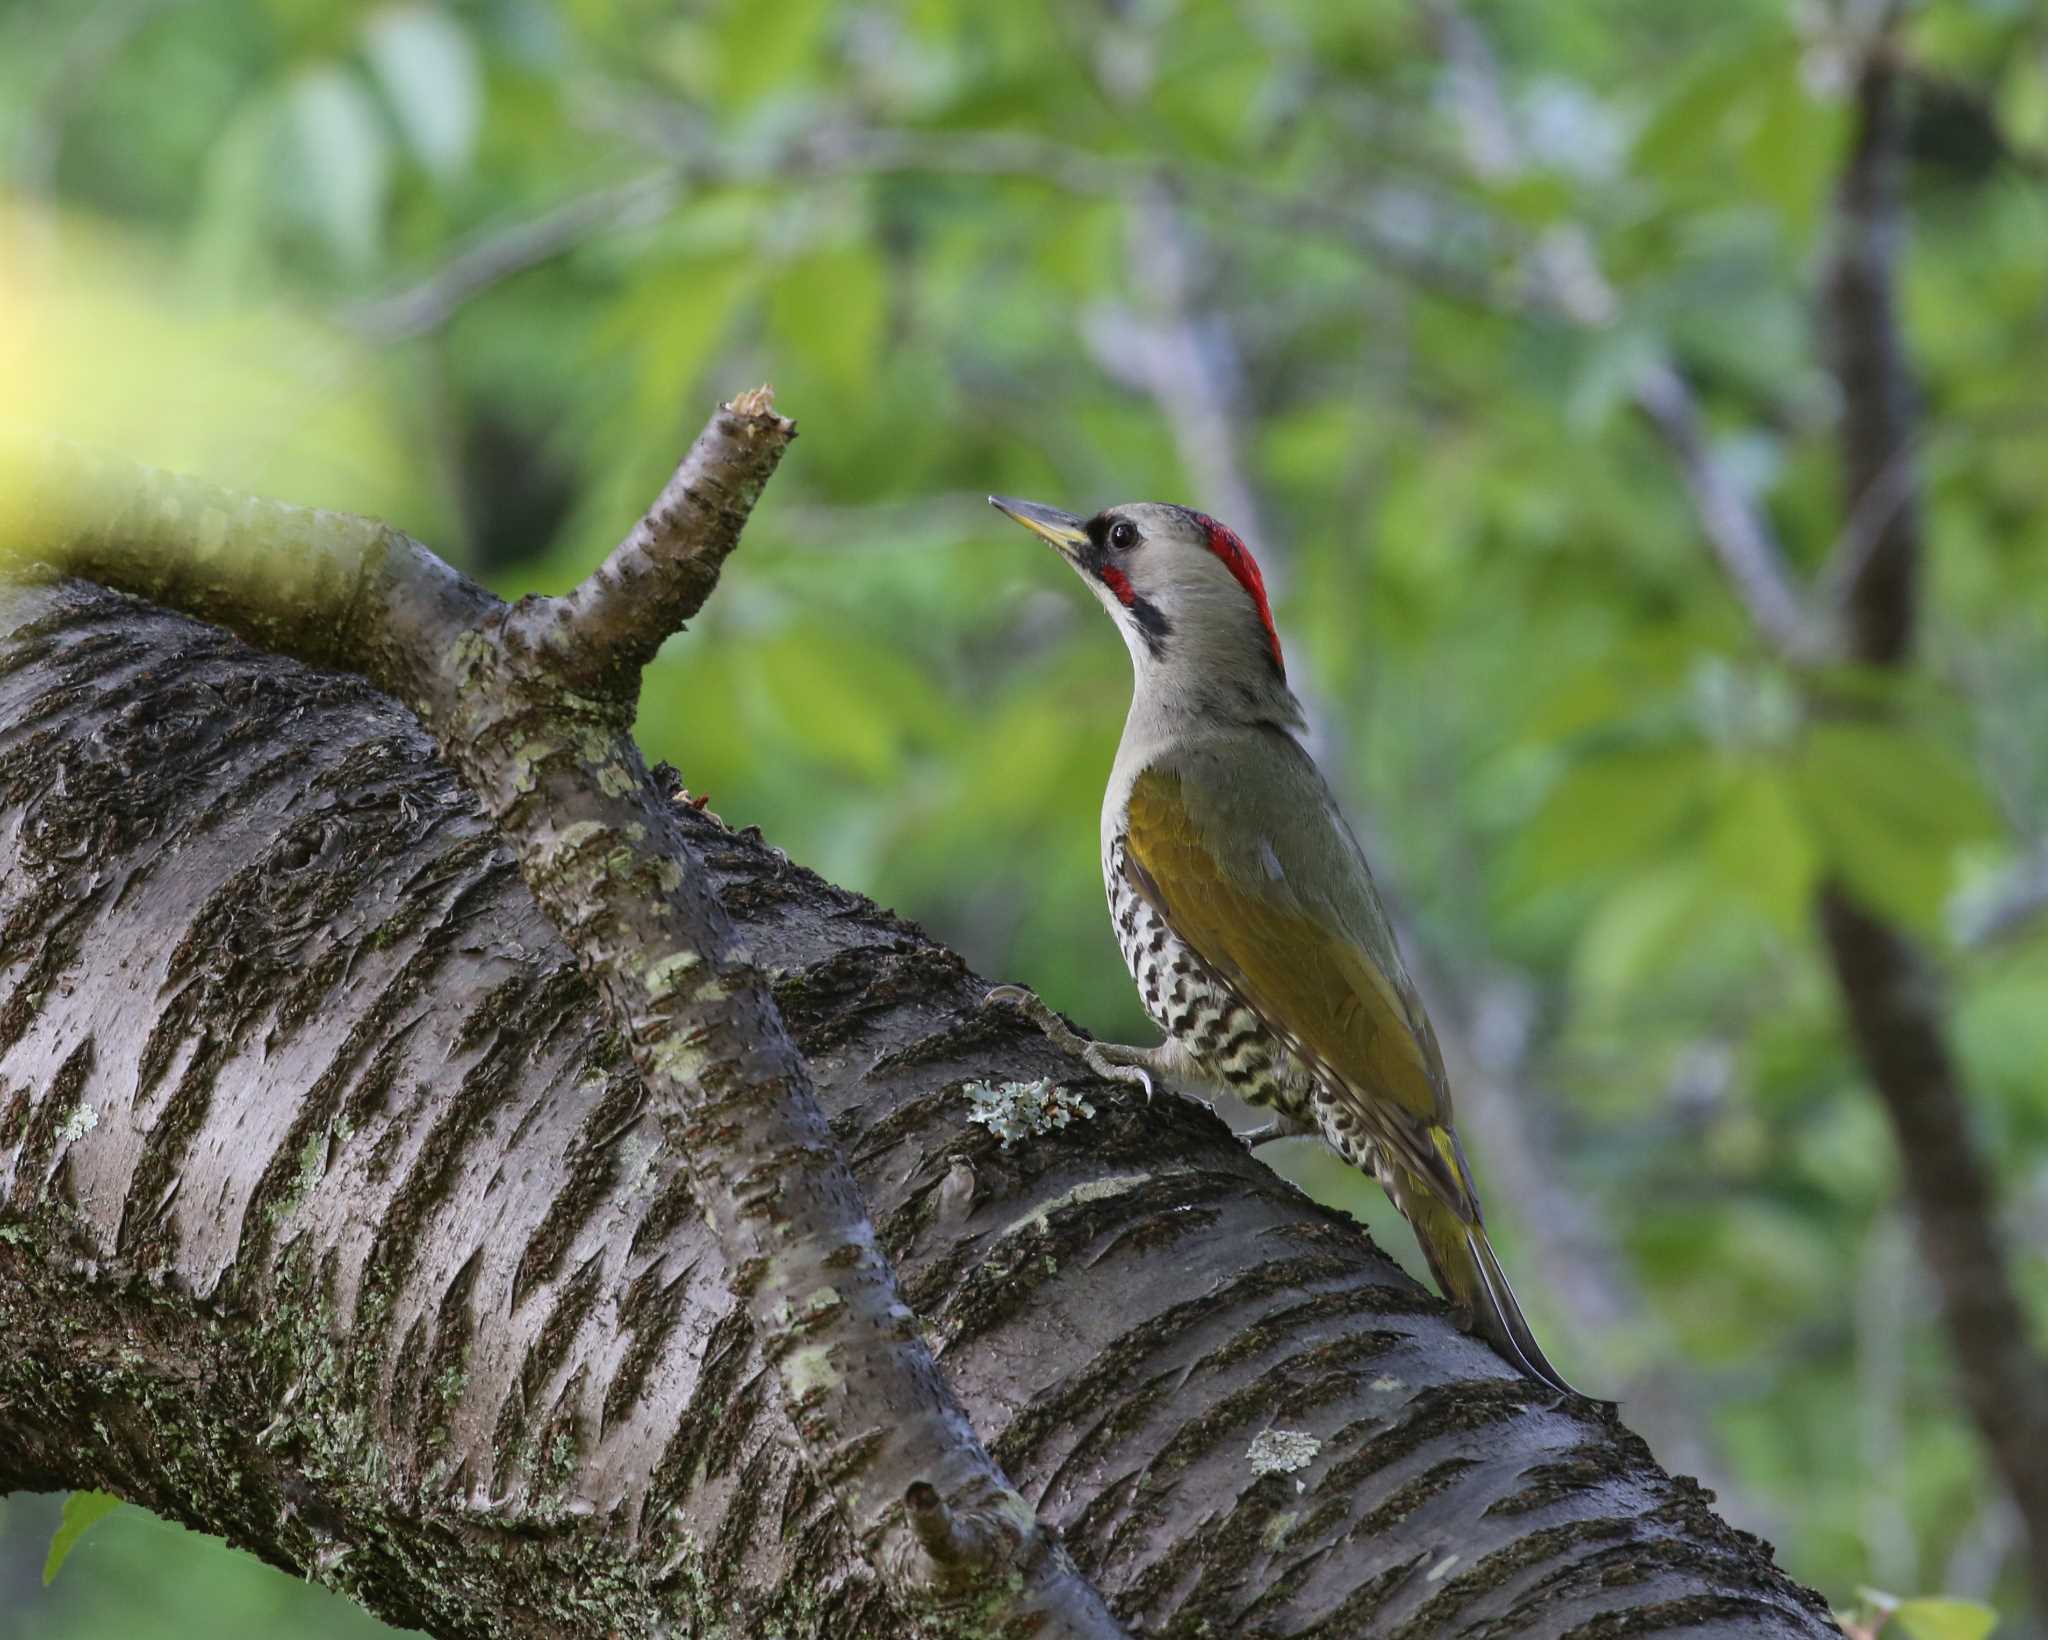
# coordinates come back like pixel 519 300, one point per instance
pixel 1349 1014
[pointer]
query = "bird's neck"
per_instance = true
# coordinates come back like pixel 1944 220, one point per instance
pixel 1172 700
pixel 1172 714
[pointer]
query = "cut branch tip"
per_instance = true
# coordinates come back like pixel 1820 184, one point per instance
pixel 758 404
pixel 969 1541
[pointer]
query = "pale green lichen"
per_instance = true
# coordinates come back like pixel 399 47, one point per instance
pixel 469 652
pixel 1282 1451
pixel 1018 1110
pixel 81 1121
pixel 526 764
pixel 677 1056
pixel 660 977
pixel 809 1371
pixel 312 1169
pixel 571 838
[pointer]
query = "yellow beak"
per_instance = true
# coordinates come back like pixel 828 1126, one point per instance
pixel 1061 530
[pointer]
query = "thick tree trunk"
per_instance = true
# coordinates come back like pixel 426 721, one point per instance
pixel 332 1220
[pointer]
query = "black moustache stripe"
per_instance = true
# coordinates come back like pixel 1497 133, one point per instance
pixel 1152 622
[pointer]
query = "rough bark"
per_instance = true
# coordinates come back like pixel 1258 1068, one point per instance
pixel 334 1219
pixel 531 706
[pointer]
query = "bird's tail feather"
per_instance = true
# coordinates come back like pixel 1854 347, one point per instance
pixel 1468 1273
pixel 1498 1318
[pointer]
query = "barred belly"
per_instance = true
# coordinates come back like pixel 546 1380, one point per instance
pixel 1226 1040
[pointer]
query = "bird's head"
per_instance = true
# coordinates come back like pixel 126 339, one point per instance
pixel 1185 592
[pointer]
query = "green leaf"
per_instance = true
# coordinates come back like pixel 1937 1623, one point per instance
pixel 668 323
pixel 764 49
pixel 1936 1619
pixel 1891 807
pixel 1761 846
pixel 1684 131
pixel 1642 927
pixel 82 1512
pixel 427 66
pixel 1909 776
pixel 1791 155
pixel 1640 669
pixel 225 242
pixel 1608 813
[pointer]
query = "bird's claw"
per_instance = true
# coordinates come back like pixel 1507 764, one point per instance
pixel 1135 1076
pixel 1097 1056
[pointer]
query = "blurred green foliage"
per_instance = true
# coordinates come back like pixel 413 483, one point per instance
pixel 481 267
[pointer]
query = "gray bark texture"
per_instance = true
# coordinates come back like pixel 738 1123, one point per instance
pixel 333 1220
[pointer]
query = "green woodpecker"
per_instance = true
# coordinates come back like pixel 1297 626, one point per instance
pixel 1243 904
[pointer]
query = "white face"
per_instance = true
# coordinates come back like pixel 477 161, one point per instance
pixel 1184 590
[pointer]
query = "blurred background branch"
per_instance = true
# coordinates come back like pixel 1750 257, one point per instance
pixel 1897 1013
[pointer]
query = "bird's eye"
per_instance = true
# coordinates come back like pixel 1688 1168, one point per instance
pixel 1123 535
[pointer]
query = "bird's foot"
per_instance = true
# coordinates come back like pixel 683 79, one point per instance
pixel 1111 1061
pixel 1280 1127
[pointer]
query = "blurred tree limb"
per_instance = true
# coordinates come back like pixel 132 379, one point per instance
pixel 1894 1004
pixel 697 160
pixel 341 1218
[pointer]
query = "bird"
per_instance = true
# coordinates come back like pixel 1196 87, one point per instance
pixel 1244 906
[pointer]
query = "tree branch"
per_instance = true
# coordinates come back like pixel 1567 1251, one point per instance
pixel 1735 530
pixel 609 628
pixel 335 1218
pixel 492 258
pixel 544 742
pixel 1879 579
pixel 1894 1011
pixel 693 161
